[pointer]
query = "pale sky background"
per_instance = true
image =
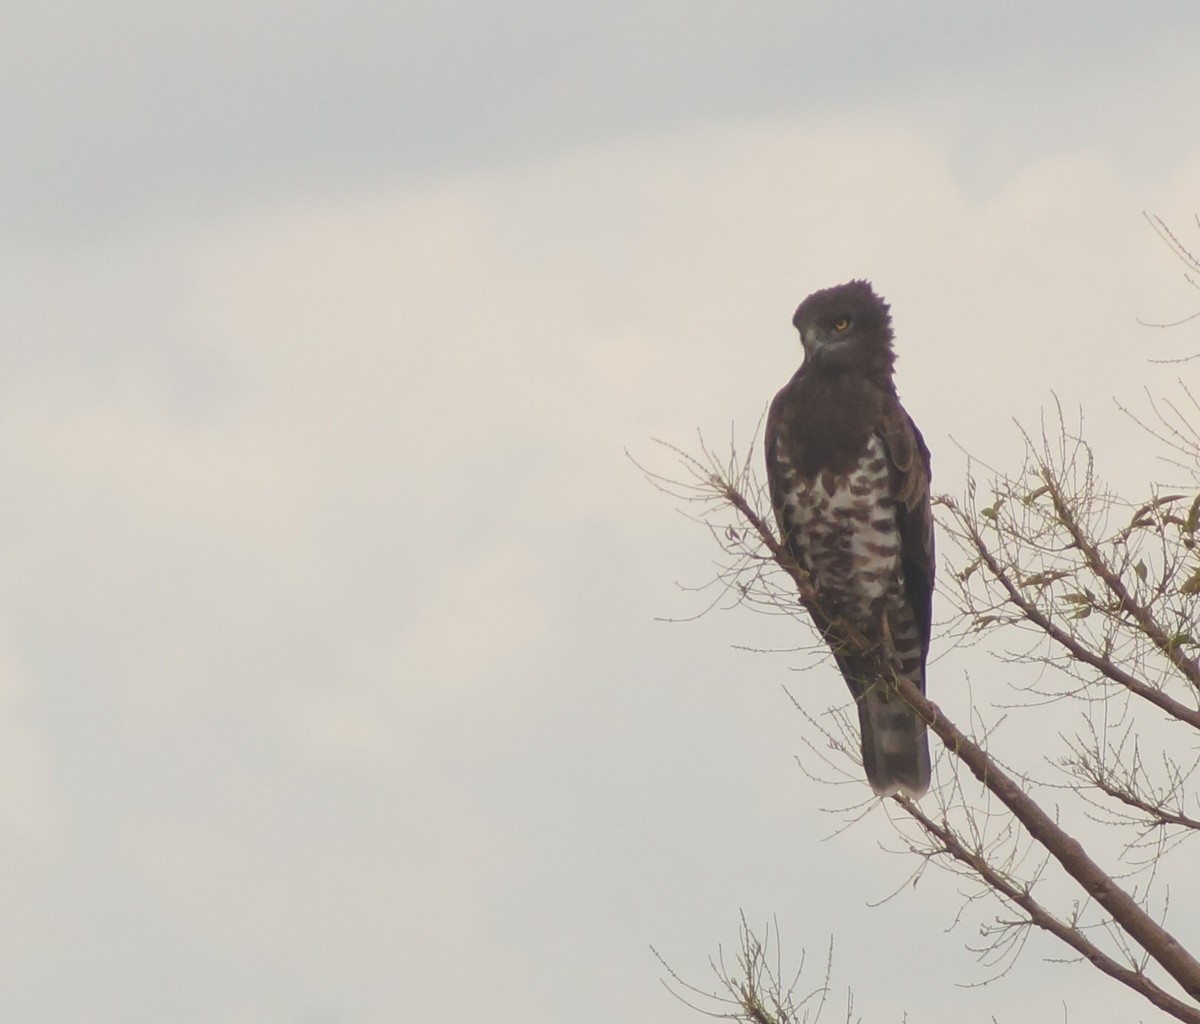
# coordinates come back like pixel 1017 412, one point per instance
pixel 332 686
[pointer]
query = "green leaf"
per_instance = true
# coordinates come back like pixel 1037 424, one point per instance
pixel 1142 517
pixel 1192 585
pixel 1193 519
pixel 1041 579
pixel 1033 496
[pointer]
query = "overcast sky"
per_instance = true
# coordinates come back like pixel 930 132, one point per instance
pixel 333 686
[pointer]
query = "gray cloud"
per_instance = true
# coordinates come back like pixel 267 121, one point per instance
pixel 126 115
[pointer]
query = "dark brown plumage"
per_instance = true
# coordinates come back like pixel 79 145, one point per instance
pixel 849 478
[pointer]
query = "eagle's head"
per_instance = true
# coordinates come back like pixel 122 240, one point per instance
pixel 846 326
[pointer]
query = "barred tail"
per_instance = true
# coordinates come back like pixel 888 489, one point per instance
pixel 895 747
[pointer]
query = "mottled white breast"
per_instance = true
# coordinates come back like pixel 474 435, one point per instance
pixel 845 529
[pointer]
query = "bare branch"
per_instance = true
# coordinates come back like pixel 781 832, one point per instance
pixel 1168 644
pixel 1039 916
pixel 755 989
pixel 1081 653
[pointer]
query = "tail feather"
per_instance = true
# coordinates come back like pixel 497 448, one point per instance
pixel 895 746
pixel 895 742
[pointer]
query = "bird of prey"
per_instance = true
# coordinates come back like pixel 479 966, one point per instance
pixel 849 480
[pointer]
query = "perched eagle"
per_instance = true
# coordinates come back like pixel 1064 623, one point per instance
pixel 849 478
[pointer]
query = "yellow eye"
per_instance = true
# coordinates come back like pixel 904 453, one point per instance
pixel 843 324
